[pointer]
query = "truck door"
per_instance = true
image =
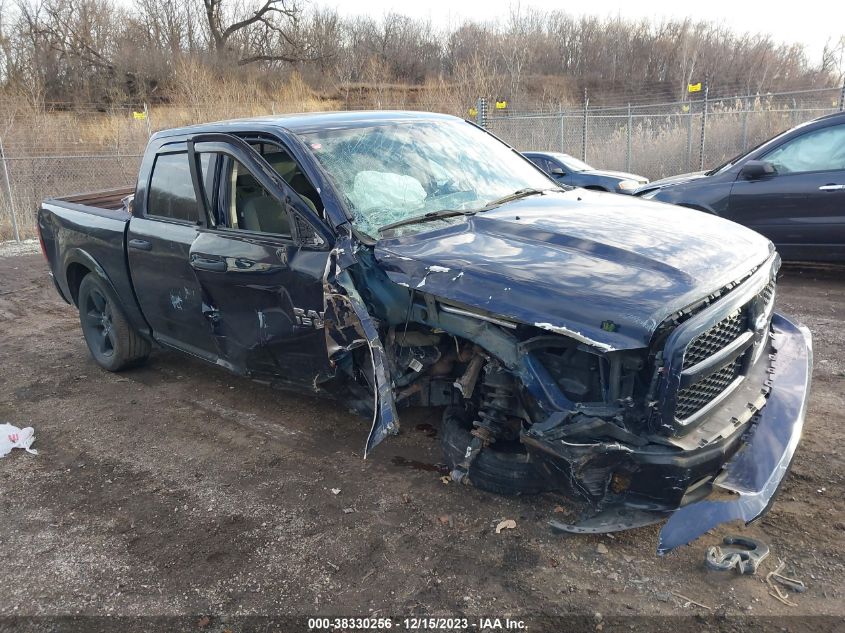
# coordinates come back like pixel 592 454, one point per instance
pixel 158 247
pixel 260 260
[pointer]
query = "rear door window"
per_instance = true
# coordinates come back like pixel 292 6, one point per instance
pixel 171 194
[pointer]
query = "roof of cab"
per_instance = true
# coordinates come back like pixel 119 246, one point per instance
pixel 311 121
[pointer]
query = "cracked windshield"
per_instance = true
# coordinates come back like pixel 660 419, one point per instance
pixel 398 172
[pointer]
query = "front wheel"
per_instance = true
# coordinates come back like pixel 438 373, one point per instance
pixel 504 468
pixel 113 342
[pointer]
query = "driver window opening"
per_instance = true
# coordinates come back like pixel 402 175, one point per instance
pixel 251 207
pixel 284 165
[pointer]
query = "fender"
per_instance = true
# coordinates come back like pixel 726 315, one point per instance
pixel 80 256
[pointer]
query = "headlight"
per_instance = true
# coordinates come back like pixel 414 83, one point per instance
pixel 648 195
pixel 629 185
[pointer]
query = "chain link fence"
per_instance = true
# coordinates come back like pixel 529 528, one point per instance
pixel 63 150
pixel 658 140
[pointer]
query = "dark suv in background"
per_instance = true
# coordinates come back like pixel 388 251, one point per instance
pixel 791 189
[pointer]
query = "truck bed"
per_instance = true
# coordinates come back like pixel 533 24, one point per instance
pixel 107 199
pixel 86 233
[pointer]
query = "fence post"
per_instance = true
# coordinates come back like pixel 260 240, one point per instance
pixel 703 124
pixel 842 96
pixel 481 112
pixel 584 128
pixel 689 136
pixel 562 142
pixel 745 125
pixel 9 190
pixel 147 120
pixel 630 134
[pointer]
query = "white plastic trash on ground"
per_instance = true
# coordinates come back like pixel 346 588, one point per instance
pixel 13 437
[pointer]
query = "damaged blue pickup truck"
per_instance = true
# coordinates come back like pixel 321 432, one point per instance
pixel 620 351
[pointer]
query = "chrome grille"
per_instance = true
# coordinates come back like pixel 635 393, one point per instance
pixel 716 338
pixel 698 395
pixel 767 295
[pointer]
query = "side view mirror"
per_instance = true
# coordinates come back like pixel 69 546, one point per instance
pixel 557 171
pixel 754 169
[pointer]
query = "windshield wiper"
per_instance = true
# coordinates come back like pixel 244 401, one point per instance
pixel 451 213
pixel 516 195
pixel 426 217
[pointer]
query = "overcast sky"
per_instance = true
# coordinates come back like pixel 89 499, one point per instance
pixel 809 22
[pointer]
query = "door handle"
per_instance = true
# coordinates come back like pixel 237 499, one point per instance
pixel 211 265
pixel 832 188
pixel 141 245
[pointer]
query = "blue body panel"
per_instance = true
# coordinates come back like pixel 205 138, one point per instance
pixel 569 261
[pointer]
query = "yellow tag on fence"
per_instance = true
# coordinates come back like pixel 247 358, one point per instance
pixel 694 87
pixel 473 112
pixel 139 116
pixel 501 105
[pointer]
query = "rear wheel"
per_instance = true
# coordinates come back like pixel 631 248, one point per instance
pixel 112 341
pixel 504 467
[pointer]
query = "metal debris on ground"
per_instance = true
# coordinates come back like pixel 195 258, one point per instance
pixel 689 601
pixel 776 592
pixel 13 437
pixel 737 552
pixel 507 524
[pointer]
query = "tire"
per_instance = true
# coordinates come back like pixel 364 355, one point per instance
pixel 503 468
pixel 113 342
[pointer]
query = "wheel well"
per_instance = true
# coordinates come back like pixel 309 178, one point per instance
pixel 75 273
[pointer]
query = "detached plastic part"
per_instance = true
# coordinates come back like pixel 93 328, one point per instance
pixel 13 437
pixel 737 552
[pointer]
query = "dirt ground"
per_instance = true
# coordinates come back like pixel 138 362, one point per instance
pixel 178 489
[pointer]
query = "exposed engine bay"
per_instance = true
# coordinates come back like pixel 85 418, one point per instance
pixel 585 420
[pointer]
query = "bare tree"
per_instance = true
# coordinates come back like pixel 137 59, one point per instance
pixel 264 32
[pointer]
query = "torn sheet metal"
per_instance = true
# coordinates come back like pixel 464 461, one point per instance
pixel 348 325
pixel 757 470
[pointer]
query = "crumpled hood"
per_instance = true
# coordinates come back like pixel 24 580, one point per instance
pixel 604 269
pixel 670 181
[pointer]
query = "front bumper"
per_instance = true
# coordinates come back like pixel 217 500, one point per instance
pixel 630 486
pixel 754 474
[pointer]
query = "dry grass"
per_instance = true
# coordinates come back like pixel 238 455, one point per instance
pixel 51 152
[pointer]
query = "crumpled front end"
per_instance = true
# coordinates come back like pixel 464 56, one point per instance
pixel 726 411
pixel 732 478
pixel 752 477
pixel 630 435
